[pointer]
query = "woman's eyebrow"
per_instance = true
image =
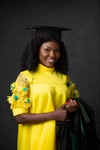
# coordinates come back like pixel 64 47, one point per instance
pixel 51 47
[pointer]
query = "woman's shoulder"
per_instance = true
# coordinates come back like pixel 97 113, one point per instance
pixel 26 74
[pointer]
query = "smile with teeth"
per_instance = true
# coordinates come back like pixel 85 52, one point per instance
pixel 50 60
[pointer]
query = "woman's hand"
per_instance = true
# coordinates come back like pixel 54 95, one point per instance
pixel 72 105
pixel 60 114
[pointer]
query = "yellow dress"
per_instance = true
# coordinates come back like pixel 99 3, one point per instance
pixel 38 92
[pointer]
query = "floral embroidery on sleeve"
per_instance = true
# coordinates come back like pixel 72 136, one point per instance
pixel 20 93
pixel 74 93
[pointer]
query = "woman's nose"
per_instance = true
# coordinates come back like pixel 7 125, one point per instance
pixel 52 54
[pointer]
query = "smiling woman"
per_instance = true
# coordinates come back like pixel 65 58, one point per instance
pixel 49 53
pixel 44 98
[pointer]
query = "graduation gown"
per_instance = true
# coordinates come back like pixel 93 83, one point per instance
pixel 80 132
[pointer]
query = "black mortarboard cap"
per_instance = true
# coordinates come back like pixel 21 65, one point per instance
pixel 48 31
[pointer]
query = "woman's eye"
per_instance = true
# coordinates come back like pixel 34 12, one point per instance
pixel 47 50
pixel 58 50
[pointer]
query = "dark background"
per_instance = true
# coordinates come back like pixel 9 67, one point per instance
pixel 82 43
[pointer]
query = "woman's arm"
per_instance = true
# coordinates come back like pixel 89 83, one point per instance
pixel 59 114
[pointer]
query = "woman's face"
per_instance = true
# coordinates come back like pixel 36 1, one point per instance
pixel 49 53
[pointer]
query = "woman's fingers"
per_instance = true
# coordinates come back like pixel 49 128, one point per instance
pixel 72 105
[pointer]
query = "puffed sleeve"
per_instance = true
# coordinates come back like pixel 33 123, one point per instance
pixel 74 93
pixel 19 100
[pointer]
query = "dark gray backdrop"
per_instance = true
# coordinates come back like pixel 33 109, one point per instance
pixel 83 46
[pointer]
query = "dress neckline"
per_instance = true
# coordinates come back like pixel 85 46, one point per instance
pixel 44 68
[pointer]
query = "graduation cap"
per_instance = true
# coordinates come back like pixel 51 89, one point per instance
pixel 48 31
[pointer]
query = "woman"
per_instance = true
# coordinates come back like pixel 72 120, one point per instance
pixel 41 90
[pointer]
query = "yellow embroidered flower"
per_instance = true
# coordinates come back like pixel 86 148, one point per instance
pixel 12 86
pixel 74 93
pixel 71 85
pixel 9 99
pixel 27 103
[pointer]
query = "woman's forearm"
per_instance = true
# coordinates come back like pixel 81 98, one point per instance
pixel 34 118
pixel 59 114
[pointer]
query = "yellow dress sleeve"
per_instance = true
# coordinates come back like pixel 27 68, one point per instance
pixel 74 93
pixel 19 100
